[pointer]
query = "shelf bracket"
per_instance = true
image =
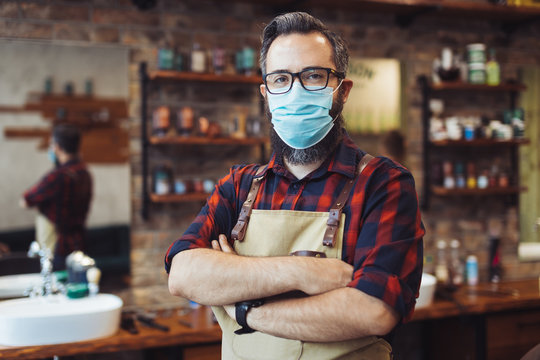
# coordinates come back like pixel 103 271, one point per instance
pixel 143 77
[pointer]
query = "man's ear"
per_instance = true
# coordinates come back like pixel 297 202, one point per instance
pixel 262 89
pixel 347 85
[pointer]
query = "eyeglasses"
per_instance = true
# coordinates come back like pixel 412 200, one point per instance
pixel 316 78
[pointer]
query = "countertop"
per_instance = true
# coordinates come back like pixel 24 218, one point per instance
pixel 484 298
pixel 186 327
pixel 196 326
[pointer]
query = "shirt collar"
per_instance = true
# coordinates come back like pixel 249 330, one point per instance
pixel 343 160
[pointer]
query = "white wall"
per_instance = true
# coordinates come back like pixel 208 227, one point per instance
pixel 24 66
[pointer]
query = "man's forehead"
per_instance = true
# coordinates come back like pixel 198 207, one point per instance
pixel 296 51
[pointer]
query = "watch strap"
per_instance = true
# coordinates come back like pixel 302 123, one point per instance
pixel 241 310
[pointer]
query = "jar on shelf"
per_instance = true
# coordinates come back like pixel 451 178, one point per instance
pixel 218 60
pixel 198 59
pixel 185 120
pixel 162 176
pixel 161 121
pixel 165 57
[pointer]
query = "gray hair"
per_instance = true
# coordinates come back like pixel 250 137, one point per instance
pixel 303 23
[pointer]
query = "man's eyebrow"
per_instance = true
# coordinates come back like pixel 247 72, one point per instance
pixel 304 68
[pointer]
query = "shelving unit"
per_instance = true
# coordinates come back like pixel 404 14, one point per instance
pixel 148 141
pixel 406 11
pixel 429 146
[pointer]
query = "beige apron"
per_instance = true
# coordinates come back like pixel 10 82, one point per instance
pixel 298 230
pixel 45 233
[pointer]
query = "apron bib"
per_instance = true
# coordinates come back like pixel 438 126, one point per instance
pixel 45 233
pixel 298 231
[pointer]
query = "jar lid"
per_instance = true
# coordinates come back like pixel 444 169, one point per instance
pixel 477 46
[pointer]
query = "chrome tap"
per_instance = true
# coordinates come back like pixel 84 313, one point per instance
pixel 45 259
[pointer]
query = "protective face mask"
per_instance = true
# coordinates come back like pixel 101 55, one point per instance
pixel 52 156
pixel 300 117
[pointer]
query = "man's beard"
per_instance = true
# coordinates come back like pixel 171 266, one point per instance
pixel 317 152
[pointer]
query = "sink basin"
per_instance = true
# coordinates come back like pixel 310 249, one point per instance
pixel 57 319
pixel 12 286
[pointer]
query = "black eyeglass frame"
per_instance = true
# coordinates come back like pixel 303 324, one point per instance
pixel 338 74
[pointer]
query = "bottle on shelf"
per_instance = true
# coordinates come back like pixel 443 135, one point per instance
pixel 471 175
pixel 165 57
pixel 472 270
pixel 162 180
pixel 460 176
pixel 456 267
pixel 493 71
pixel 441 268
pixel 161 121
pixel 218 60
pixel 449 181
pixel 185 121
pixel 198 59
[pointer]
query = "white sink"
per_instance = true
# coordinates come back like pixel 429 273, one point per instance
pixel 12 286
pixel 56 319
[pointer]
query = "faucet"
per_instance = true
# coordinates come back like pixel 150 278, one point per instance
pixel 45 259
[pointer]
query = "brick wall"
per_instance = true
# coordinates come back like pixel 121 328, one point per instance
pixel 231 25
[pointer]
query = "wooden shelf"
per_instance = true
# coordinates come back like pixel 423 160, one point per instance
pixel 204 77
pixel 479 10
pixel 462 86
pixel 511 190
pixel 178 198
pixel 199 140
pixel 480 142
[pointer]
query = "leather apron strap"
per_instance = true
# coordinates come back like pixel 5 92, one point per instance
pixel 335 211
pixel 239 230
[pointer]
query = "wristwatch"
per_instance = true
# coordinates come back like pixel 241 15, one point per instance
pixel 241 310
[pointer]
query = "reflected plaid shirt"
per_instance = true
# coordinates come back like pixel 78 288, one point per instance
pixel 383 230
pixel 63 196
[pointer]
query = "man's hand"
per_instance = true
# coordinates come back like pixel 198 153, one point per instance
pixel 22 203
pixel 231 311
pixel 333 274
pixel 223 245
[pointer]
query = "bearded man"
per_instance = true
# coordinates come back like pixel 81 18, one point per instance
pixel 318 254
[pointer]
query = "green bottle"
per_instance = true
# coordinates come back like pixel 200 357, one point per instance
pixel 493 71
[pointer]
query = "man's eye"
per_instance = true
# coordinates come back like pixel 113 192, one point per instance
pixel 280 79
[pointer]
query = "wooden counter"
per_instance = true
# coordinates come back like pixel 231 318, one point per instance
pixel 495 305
pixel 484 322
pixel 485 298
pixel 202 331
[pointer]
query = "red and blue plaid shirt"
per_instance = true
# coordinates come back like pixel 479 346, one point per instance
pixel 383 230
pixel 63 196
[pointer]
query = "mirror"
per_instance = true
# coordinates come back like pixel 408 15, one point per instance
pixel 41 83
pixel 529 202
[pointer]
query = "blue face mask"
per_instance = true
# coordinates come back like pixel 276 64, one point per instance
pixel 52 156
pixel 300 117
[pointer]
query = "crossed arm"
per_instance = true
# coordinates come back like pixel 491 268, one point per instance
pixel 331 312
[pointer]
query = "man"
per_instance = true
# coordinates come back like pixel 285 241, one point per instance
pixel 62 197
pixel 353 221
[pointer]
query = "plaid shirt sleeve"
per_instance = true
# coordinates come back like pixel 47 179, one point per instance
pixel 218 216
pixel 388 254
pixel 43 191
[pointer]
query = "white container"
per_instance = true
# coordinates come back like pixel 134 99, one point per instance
pixel 477 74
pixel 427 290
